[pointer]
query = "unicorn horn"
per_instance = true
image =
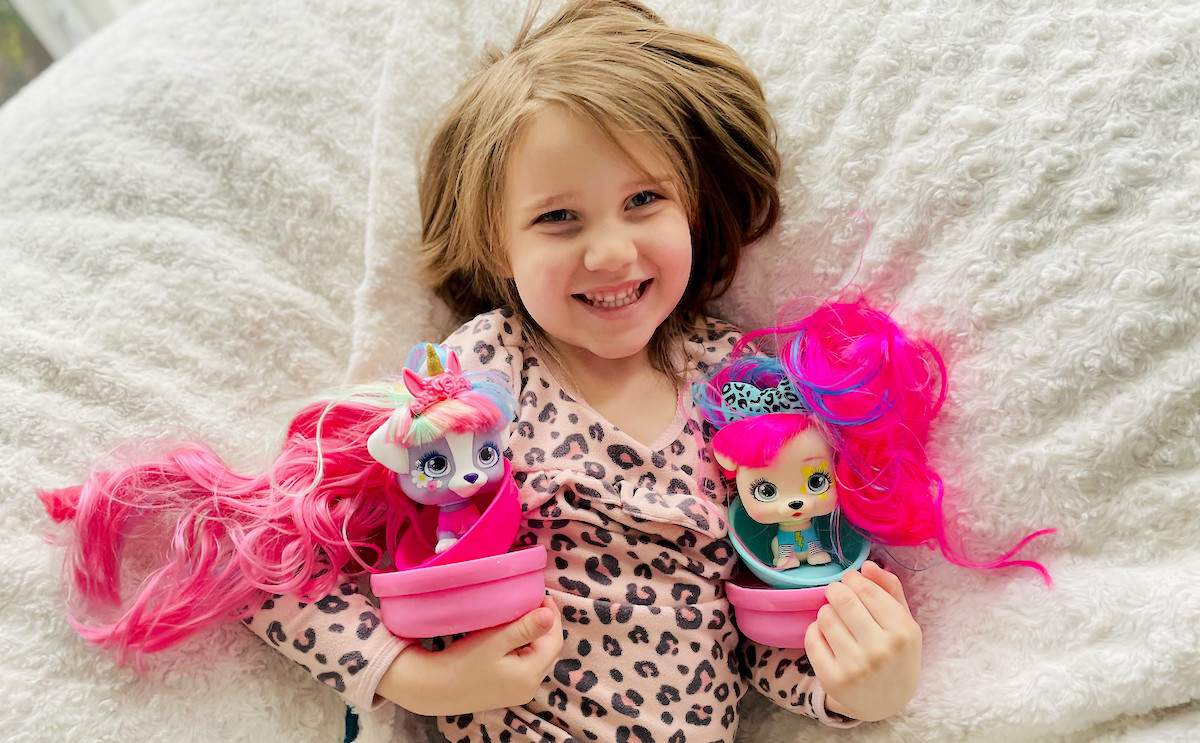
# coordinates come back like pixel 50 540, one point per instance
pixel 433 364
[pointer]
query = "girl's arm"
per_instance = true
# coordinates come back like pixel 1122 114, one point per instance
pixel 784 676
pixel 339 639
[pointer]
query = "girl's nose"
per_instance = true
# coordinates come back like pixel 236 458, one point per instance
pixel 609 251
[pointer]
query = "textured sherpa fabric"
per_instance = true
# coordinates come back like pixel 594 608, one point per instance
pixel 209 211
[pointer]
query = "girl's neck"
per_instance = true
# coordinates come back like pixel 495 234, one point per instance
pixel 630 393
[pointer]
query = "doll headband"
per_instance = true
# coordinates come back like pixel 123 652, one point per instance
pixel 440 385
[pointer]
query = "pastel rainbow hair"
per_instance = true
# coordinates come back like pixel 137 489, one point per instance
pixel 872 392
pixel 446 400
pixel 325 509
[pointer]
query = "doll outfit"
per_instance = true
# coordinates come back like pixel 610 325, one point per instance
pixel 799 542
pixel 459 521
pixel 639 556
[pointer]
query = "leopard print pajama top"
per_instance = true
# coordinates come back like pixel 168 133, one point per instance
pixel 638 560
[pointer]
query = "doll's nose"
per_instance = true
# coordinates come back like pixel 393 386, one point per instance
pixel 796 505
pixel 471 478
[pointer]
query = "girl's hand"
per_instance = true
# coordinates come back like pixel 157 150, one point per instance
pixel 488 669
pixel 865 646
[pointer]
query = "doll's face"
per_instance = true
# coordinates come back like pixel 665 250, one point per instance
pixel 795 487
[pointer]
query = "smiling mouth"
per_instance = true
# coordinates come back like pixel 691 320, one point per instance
pixel 614 300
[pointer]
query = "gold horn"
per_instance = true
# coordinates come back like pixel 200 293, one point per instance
pixel 433 364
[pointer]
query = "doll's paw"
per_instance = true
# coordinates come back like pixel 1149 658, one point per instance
pixel 444 544
pixel 819 558
pixel 786 563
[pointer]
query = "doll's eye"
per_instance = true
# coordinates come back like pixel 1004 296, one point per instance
pixel 764 491
pixel 818 482
pixel 435 465
pixel 488 455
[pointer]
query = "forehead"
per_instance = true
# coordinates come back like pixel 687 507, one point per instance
pixel 805 449
pixel 558 147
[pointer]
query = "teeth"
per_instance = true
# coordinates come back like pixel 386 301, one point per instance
pixel 612 300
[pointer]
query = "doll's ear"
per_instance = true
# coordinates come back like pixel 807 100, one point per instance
pixel 390 454
pixel 412 381
pixel 726 464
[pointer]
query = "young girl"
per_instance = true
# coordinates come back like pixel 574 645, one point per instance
pixel 587 194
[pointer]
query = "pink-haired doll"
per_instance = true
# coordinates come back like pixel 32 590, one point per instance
pixel 828 418
pixel 327 508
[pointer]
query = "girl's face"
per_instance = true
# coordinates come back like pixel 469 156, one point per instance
pixel 795 487
pixel 600 253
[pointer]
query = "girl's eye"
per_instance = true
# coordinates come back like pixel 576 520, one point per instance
pixel 643 198
pixel 818 482
pixel 436 465
pixel 488 455
pixel 558 215
pixel 764 491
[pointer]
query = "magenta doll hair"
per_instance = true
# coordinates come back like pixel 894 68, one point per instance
pixel 325 509
pixel 872 392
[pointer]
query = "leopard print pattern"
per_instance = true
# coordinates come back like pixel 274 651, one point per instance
pixel 639 557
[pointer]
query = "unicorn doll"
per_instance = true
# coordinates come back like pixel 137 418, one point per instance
pixel 340 499
pixel 445 445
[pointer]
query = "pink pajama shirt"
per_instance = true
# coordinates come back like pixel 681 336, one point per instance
pixel 638 560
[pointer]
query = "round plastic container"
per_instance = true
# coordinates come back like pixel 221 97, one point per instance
pixel 773 616
pixel 461 596
pixel 752 541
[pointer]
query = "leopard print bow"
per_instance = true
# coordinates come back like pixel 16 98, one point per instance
pixel 747 398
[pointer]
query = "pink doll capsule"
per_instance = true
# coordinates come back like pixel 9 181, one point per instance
pixel 826 438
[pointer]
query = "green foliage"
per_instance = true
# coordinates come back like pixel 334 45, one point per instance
pixel 21 56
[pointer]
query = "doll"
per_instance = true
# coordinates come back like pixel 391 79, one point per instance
pixel 444 445
pixel 832 423
pixel 325 509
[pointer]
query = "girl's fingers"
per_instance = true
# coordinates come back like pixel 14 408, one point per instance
pixel 546 645
pixel 851 612
pixel 838 635
pixel 820 655
pixel 885 580
pixel 882 604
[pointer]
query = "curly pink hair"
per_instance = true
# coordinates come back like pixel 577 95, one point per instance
pixel 872 392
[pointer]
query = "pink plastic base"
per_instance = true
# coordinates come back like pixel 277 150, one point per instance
pixel 777 617
pixel 462 596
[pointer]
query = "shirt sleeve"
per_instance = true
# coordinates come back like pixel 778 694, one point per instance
pixel 339 639
pixel 492 342
pixel 784 676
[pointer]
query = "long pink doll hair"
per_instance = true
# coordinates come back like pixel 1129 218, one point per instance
pixel 324 510
pixel 872 392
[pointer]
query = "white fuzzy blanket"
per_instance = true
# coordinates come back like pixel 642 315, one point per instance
pixel 208 211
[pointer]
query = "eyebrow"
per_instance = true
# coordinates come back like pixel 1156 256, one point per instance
pixel 657 181
pixel 542 203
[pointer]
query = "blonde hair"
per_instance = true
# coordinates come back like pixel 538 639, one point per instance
pixel 616 63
